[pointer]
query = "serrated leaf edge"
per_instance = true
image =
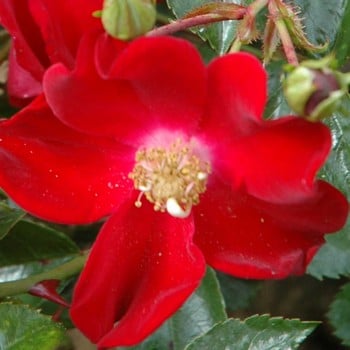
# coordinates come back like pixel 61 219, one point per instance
pixel 312 324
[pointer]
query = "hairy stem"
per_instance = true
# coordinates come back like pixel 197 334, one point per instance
pixel 284 35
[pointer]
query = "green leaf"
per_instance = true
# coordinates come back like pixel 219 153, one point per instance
pixel 255 333
pixel 337 169
pixel 201 312
pixel 342 43
pixel 238 293
pixel 277 105
pixel 333 259
pixel 322 19
pixel 8 218
pixel 339 314
pixel 220 35
pixel 22 328
pixel 28 242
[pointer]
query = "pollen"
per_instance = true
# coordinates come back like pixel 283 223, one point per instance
pixel 171 178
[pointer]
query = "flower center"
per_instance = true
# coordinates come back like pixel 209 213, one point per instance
pixel 172 178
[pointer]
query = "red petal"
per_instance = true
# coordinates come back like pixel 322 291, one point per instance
pixel 250 238
pixel 106 51
pixel 278 162
pixel 21 85
pixel 274 160
pixel 324 211
pixel 27 40
pixel 43 31
pixel 63 23
pixel 237 95
pixel 169 77
pixel 142 267
pixel 80 98
pixel 148 88
pixel 59 174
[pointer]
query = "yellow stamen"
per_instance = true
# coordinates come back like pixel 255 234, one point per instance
pixel 170 178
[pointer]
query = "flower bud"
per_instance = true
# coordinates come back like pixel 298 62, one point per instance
pixel 127 19
pixel 313 90
pixel 325 100
pixel 298 88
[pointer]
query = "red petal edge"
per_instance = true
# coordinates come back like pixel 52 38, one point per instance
pixel 236 97
pixel 279 161
pixel 142 267
pixel 276 160
pixel 58 174
pixel 249 238
pixel 138 96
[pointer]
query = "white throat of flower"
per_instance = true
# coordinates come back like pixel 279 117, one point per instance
pixel 171 178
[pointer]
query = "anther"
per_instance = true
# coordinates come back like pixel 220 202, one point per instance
pixel 174 209
pixel 145 188
pixel 202 176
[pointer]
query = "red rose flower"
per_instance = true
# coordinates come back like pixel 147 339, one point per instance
pixel 43 32
pixel 180 156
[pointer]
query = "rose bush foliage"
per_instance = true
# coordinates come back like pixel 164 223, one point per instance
pixel 175 153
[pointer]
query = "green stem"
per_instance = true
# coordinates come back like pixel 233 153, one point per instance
pixel 162 19
pixel 254 51
pixel 236 45
pixel 61 272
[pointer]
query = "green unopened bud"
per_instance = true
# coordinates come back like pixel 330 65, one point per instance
pixel 298 87
pixel 127 19
pixel 313 90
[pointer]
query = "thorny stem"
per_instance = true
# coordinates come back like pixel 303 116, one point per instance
pixel 286 40
pixel 186 23
pixel 249 17
pixel 255 7
pixel 251 12
pixel 63 271
pixel 287 43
